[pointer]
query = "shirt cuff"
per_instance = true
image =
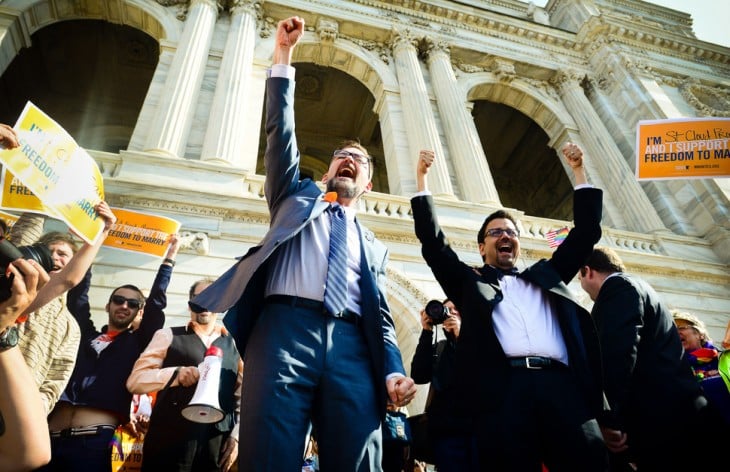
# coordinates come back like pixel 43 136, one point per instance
pixel 282 70
pixel 394 374
pixel 580 186
pixel 422 193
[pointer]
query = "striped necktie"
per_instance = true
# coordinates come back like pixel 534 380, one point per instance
pixel 335 293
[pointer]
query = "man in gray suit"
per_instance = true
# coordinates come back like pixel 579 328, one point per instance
pixel 307 366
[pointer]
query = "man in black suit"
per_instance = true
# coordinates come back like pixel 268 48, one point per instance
pixel 528 360
pixel 658 416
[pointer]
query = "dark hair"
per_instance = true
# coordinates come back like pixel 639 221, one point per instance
pixel 605 261
pixel 191 292
pixel 129 287
pixel 499 214
pixel 59 237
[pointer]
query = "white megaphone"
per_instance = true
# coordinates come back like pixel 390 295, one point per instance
pixel 204 406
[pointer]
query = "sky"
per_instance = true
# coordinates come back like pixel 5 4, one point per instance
pixel 711 18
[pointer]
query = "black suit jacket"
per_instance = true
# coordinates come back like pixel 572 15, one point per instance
pixel 481 363
pixel 649 383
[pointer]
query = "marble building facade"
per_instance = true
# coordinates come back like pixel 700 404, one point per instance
pixel 167 96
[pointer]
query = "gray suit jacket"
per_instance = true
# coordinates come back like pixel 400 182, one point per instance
pixel 293 204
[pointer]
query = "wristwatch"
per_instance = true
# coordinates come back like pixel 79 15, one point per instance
pixel 9 338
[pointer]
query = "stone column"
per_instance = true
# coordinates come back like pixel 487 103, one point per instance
pixel 171 124
pixel 604 156
pixel 226 138
pixel 465 148
pixel 417 113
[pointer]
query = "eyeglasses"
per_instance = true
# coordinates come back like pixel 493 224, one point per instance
pixel 498 232
pixel 682 328
pixel 361 159
pixel 132 303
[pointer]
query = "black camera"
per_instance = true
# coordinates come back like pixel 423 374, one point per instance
pixel 9 252
pixel 436 311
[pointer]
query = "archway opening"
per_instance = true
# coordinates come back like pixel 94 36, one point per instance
pixel 527 172
pixel 330 107
pixel 90 76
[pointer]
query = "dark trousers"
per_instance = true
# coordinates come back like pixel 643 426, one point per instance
pixel 543 419
pixel 456 453
pixel 197 451
pixel 304 368
pixel 81 453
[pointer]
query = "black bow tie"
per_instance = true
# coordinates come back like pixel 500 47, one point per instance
pixel 502 272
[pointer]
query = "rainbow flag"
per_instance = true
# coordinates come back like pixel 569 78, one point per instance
pixel 556 237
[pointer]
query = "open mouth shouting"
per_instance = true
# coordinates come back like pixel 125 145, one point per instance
pixel 347 169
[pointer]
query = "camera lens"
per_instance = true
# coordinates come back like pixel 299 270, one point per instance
pixel 40 253
pixel 436 311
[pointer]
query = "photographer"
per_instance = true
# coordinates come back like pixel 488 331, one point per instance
pixel 24 442
pixel 434 362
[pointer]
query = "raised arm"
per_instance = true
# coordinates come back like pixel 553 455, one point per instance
pixel 288 33
pixel 70 276
pixel 574 156
pixel 154 315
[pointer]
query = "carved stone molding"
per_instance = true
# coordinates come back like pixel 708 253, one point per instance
pixel 432 47
pixel 382 50
pixel 195 242
pixel 567 78
pixel 327 29
pixel 468 68
pixel 504 69
pixel 543 86
pixel 706 100
pixel 182 5
pixel 403 38
pixel 252 7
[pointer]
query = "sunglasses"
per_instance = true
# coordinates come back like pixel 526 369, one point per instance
pixel 132 303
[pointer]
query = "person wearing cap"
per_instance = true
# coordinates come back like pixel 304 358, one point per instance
pixel 704 358
pixel 169 366
pixel 697 344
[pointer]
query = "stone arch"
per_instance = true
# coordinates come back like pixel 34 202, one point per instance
pixel 540 104
pixel 370 78
pixel 521 123
pixel 27 17
pixel 351 59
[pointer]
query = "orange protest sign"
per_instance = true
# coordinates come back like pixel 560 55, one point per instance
pixel 141 232
pixel 686 148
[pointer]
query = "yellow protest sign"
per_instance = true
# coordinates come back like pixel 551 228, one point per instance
pixel 141 232
pixel 686 148
pixel 9 219
pixel 16 196
pixel 58 171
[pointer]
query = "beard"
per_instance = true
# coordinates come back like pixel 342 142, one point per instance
pixel 345 188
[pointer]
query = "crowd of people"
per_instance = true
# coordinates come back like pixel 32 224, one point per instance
pixel 525 378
